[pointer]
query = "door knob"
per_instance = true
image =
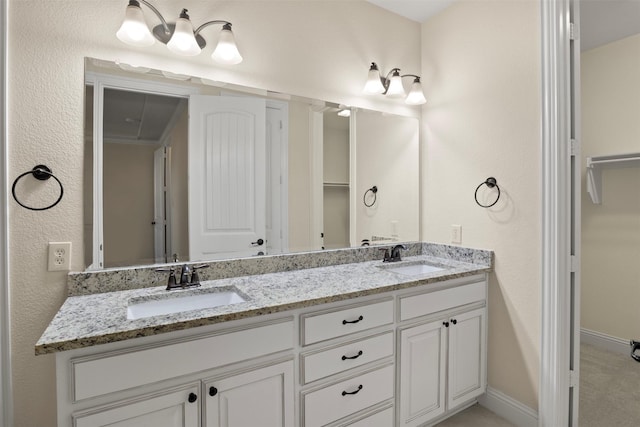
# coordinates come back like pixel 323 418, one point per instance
pixel 192 397
pixel 258 242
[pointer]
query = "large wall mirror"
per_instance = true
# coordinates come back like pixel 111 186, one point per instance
pixel 179 168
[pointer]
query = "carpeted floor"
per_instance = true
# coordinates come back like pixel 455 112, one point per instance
pixel 609 394
pixel 609 389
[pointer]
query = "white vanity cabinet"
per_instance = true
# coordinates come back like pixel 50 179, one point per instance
pixel 442 361
pixel 405 358
pixel 355 372
pixel 259 397
pixel 167 408
pixel 171 381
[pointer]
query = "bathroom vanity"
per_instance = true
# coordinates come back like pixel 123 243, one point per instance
pixel 361 344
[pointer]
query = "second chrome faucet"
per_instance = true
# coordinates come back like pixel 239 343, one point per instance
pixel 394 255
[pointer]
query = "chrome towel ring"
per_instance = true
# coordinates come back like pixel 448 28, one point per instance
pixel 41 173
pixel 490 182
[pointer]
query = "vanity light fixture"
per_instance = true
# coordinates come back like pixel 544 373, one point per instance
pixel 392 86
pixel 180 37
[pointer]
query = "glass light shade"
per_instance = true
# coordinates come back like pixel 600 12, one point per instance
pixel 396 90
pixel 134 30
pixel 226 51
pixel 416 96
pixel 183 42
pixel 374 84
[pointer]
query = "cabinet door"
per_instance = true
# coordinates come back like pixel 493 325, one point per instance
pixel 261 397
pixel 173 408
pixel 467 357
pixel 422 373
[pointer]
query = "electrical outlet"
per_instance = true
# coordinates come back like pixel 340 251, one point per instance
pixel 59 256
pixel 456 233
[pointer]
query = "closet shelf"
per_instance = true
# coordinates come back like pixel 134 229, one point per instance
pixel 595 165
pixel 336 184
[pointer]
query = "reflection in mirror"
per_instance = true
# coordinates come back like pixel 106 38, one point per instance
pixel 186 169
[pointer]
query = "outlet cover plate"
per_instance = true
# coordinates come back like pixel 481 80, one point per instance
pixel 59 256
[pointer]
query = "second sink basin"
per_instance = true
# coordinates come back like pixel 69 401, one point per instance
pixel 176 303
pixel 414 269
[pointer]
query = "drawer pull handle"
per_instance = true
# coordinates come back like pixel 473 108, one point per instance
pixel 344 393
pixel 352 357
pixel 344 322
pixel 192 397
pixel 213 391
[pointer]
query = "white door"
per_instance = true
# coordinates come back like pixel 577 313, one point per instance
pixel 262 397
pixel 179 408
pixel 226 177
pixel 275 178
pixel 422 373
pixel 159 207
pixel 467 349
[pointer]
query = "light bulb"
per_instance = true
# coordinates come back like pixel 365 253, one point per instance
pixel 226 51
pixel 374 84
pixel 395 89
pixel 416 96
pixel 183 41
pixel 134 30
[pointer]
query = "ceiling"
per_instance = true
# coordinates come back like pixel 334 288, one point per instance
pixel 602 21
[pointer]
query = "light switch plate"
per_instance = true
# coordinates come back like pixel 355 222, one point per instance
pixel 456 233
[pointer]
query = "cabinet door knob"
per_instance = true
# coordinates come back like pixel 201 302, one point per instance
pixel 454 321
pixel 192 397
pixel 344 322
pixel 352 357
pixel 446 324
pixel 344 393
pixel 213 391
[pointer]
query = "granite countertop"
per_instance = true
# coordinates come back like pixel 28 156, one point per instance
pixel 100 318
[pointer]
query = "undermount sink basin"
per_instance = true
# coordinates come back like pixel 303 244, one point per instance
pixel 176 303
pixel 414 269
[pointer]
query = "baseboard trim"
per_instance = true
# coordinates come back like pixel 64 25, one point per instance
pixel 509 408
pixel 604 341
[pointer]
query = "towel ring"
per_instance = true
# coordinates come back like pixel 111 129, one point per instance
pixel 373 190
pixel 489 182
pixel 41 173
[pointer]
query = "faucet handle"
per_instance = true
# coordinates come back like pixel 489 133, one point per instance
pixel 171 281
pixel 195 277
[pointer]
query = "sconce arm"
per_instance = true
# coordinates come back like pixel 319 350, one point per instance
pixel 165 26
pixel 411 75
pixel 225 25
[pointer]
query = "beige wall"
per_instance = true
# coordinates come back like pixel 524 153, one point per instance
pixel 179 193
pixel 610 80
pixel 316 49
pixel 481 73
pixel 129 194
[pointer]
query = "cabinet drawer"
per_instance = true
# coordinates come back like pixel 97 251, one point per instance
pixel 383 418
pixel 337 323
pixel 110 372
pixel 419 305
pixel 323 363
pixel 347 397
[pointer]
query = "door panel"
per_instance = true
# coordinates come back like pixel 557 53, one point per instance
pixel 226 176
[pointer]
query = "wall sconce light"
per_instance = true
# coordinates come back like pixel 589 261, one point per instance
pixel 392 86
pixel 180 37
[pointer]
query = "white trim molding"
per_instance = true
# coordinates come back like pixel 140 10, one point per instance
pixel 554 404
pixel 509 408
pixel 604 341
pixel 6 395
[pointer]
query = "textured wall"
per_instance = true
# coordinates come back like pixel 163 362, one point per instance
pixel 610 276
pixel 481 70
pixel 308 48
